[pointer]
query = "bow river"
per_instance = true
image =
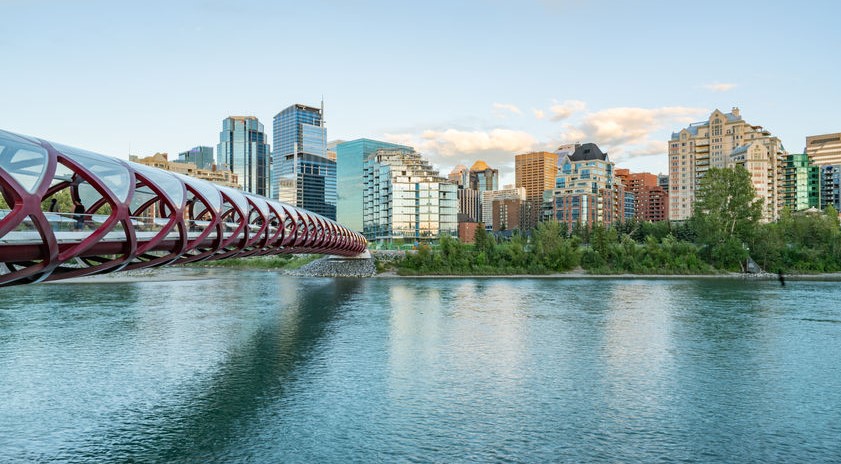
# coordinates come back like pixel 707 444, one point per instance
pixel 219 365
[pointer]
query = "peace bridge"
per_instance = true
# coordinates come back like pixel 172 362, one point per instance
pixel 134 216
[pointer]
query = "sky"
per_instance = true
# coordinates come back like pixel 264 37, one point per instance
pixel 458 80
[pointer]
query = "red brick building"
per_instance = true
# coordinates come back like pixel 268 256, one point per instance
pixel 651 201
pixel 467 231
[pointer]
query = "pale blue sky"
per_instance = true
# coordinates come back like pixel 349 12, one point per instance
pixel 459 80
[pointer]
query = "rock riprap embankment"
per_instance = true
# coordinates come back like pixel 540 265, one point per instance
pixel 336 267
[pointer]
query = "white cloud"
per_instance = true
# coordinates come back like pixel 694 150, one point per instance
pixel 719 86
pixel 630 132
pixel 539 114
pixel 561 111
pixel 626 133
pixel 448 147
pixel 507 107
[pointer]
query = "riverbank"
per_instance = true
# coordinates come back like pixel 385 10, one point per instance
pixel 829 277
pixel 326 267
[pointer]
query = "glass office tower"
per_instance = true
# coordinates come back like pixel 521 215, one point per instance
pixel 243 150
pixel 350 171
pixel 302 175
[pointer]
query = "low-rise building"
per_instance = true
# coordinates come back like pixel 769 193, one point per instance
pixel 217 176
pixel 467 231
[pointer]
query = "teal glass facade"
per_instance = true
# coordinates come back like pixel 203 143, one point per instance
pixel 350 171
pixel 243 150
pixel 301 174
pixel 202 157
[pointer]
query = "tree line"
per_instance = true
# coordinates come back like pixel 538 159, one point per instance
pixel 723 232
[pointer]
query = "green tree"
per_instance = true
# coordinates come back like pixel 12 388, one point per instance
pixel 726 215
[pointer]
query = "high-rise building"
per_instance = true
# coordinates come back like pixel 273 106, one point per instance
pixel 831 186
pixel 243 150
pixel 472 183
pixel 350 173
pixel 801 183
pixel 824 149
pixel 201 156
pixel 302 174
pixel 724 140
pixel 405 198
pixel 483 177
pixel 650 201
pixel 490 196
pixel 535 172
pixel 469 205
pixel 585 189
pixel 506 214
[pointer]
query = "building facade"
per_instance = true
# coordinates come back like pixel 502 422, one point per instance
pixel 724 140
pixel 243 150
pixel 490 196
pixel 350 174
pixel 586 191
pixel 472 183
pixel 824 149
pixel 507 214
pixel 467 231
pixel 302 174
pixel 650 200
pixel 405 198
pixel 201 156
pixel 535 172
pixel 801 183
pixel 217 176
pixel 830 195
pixel 469 205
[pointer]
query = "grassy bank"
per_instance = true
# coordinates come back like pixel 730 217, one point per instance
pixel 285 262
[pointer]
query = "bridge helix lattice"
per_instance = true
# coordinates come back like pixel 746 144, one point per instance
pixel 135 216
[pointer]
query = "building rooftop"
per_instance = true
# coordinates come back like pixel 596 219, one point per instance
pixel 458 169
pixel 588 151
pixel 479 166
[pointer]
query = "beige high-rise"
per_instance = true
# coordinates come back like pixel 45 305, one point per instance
pixel 724 140
pixel 535 172
pixel 824 149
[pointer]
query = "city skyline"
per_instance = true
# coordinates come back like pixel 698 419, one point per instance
pixel 479 80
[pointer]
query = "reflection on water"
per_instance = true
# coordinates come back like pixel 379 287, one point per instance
pixel 253 366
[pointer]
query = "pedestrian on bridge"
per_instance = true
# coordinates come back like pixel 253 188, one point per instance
pixel 79 214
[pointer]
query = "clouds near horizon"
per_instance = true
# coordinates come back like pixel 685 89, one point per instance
pixel 624 132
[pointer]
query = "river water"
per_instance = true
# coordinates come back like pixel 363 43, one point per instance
pixel 246 366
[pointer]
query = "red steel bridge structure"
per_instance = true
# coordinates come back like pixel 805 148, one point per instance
pixel 136 216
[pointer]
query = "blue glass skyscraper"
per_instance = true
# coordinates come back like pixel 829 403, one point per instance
pixel 243 150
pixel 302 175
